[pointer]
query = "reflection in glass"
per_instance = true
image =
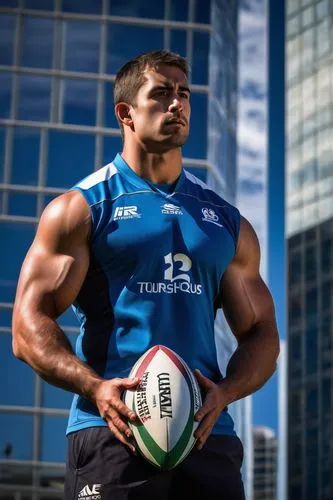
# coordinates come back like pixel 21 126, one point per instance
pixel 37 42
pixel 202 11
pixel 196 145
pixel 111 146
pixel 178 42
pixel 311 349
pixel 110 120
pixel 18 431
pixel 34 97
pixel 7 30
pixel 179 10
pixel 137 8
pixel 23 204
pixel 295 268
pixel 82 41
pixel 125 42
pixel 79 101
pixel 310 263
pixel 83 7
pixel 5 94
pixel 39 4
pixel 20 235
pixel 13 393
pixel 70 158
pixel 200 61
pixel 26 143
pixel 53 441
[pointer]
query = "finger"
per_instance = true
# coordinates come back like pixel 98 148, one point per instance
pixel 124 410
pixel 120 436
pixel 201 441
pixel 203 412
pixel 118 422
pixel 127 383
pixel 206 424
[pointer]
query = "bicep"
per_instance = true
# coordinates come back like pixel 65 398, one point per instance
pixel 245 298
pixel 56 264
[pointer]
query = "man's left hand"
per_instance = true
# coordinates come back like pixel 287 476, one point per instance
pixel 211 409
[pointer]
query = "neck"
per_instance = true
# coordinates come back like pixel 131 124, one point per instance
pixel 158 168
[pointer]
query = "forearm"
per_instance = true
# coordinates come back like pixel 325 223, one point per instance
pixel 252 363
pixel 45 347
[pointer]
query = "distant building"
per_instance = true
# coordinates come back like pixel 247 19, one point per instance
pixel 265 464
pixel 309 216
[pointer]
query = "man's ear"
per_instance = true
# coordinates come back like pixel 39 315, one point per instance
pixel 123 113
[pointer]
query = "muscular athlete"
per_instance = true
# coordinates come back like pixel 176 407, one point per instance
pixel 100 248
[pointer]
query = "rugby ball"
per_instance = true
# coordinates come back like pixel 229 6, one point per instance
pixel 165 402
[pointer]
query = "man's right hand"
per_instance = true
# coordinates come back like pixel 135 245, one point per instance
pixel 107 398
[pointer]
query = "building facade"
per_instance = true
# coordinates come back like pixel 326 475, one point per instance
pixel 58 60
pixel 265 464
pixel 309 124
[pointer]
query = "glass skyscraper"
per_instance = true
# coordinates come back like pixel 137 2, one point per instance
pixel 309 124
pixel 58 60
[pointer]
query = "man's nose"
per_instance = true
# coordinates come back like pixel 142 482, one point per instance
pixel 176 105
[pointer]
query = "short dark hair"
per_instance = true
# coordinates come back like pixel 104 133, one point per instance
pixel 131 75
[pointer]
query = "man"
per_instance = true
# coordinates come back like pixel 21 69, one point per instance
pixel 146 253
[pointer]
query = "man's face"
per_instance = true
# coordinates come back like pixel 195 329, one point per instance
pixel 161 113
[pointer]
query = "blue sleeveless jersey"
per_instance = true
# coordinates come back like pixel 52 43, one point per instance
pixel 156 264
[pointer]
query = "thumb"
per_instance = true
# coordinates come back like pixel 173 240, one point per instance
pixel 130 382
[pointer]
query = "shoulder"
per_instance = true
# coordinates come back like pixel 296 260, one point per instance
pixel 248 248
pixel 205 192
pixel 66 215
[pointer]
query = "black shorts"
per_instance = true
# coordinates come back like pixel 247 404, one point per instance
pixel 99 467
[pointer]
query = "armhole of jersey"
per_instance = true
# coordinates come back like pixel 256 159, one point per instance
pixel 92 215
pixel 237 227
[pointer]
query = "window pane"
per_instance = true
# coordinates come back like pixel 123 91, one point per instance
pixel 7 30
pixel 111 146
pixel 178 42
pixel 9 3
pixel 196 146
pixel 37 42
pixel 86 7
pixel 82 40
pixel 34 98
pixel 53 397
pixel 18 238
pixel 127 42
pixel 310 263
pixel 79 101
pixel 17 431
pixel 179 10
pixel 137 8
pixel 12 370
pixel 22 204
pixel 200 61
pixel 202 11
pixel 25 145
pixel 39 4
pixel 109 114
pixel 70 158
pixel 54 442
pixel 5 94
pixel 311 350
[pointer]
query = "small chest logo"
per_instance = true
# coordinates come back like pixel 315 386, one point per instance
pixel 123 213
pixel 209 215
pixel 169 208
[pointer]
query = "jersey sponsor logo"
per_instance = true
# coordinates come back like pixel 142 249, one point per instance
pixel 176 278
pixel 169 208
pixel 209 215
pixel 123 213
pixel 90 492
